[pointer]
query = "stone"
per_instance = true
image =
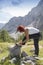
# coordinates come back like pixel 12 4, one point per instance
pixel 3 59
pixel 15 50
pixel 13 60
pixel 24 54
pixel 32 50
pixel 30 58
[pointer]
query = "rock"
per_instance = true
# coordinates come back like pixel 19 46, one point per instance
pixel 15 51
pixel 30 58
pixel 3 59
pixel 24 54
pixel 29 62
pixel 13 60
pixel 32 50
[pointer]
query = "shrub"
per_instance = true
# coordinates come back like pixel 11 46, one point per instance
pixel 4 37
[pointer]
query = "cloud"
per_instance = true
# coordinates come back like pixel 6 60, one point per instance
pixel 10 8
pixel 12 11
pixel 9 12
pixel 16 2
pixel 4 16
pixel 7 3
pixel 3 21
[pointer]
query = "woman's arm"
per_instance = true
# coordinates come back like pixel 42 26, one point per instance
pixel 26 38
pixel 27 34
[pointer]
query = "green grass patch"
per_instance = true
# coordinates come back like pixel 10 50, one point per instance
pixel 26 48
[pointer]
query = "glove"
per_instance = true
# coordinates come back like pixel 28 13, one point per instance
pixel 23 43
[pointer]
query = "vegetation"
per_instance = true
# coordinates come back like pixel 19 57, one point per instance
pixel 4 51
pixel 4 37
pixel 42 34
pixel 4 46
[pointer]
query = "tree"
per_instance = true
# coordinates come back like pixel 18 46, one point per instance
pixel 4 36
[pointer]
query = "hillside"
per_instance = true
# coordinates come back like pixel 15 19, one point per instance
pixel 1 25
pixel 33 18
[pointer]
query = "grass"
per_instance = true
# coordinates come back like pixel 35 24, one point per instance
pixel 4 48
pixel 26 48
pixel 30 45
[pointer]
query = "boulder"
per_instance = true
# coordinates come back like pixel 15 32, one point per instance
pixel 24 54
pixel 13 60
pixel 15 51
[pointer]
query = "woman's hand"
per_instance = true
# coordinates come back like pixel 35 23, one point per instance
pixel 20 42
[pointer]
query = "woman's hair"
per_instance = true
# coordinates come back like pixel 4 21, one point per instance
pixel 21 28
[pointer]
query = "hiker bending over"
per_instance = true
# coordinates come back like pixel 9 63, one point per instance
pixel 30 33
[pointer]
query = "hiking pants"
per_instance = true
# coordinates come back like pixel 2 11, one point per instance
pixel 35 38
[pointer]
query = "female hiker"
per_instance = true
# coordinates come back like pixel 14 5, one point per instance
pixel 30 33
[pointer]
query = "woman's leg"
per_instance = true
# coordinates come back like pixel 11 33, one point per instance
pixel 36 45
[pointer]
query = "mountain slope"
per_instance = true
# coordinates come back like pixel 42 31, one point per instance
pixel 1 25
pixel 33 18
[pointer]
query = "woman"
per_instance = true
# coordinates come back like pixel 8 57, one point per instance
pixel 30 33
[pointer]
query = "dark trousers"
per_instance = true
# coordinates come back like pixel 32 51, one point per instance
pixel 35 37
pixel 36 45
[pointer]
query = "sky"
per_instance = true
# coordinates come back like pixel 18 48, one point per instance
pixel 11 8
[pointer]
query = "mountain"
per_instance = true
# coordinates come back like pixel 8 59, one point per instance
pixel 33 18
pixel 1 25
